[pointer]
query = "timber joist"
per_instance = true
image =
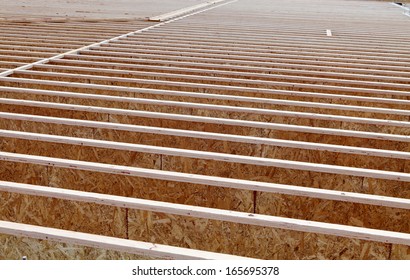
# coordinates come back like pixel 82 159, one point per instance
pixel 230 129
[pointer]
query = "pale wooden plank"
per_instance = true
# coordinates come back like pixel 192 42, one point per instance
pixel 214 214
pixel 109 243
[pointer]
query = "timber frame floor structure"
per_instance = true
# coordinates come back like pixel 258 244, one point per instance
pixel 239 129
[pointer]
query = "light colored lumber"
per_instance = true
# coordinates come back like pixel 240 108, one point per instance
pixel 224 121
pixel 139 46
pixel 222 70
pixel 235 98
pixel 214 214
pixel 47 60
pixel 266 41
pixel 277 45
pixel 271 57
pixel 203 179
pixel 206 135
pixel 253 67
pixel 325 96
pixel 239 81
pixel 322 193
pixel 109 243
pixel 76 51
pixel 341 62
pixel 278 188
pixel 225 108
pixel 214 87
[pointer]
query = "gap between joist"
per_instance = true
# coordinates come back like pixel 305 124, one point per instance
pixel 76 51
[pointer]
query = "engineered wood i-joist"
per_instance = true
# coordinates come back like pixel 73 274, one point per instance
pixel 301 113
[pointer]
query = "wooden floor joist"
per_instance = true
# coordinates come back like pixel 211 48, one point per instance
pixel 202 179
pixel 233 122
pixel 230 80
pixel 324 96
pixel 110 243
pixel 193 118
pixel 209 135
pixel 217 214
pixel 109 67
pixel 274 188
pixel 208 96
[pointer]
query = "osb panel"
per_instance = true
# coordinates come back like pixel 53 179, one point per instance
pixel 82 153
pixel 179 142
pixel 337 182
pixel 63 214
pixel 197 112
pixel 400 252
pixel 23 173
pixel 259 118
pixel 231 82
pixel 268 133
pixel 340 140
pixel 252 241
pixel 341 159
pixel 407 167
pixel 53 112
pixel 210 167
pixel 238 130
pixel 107 91
pixel 196 87
pixel 161 190
pixel 193 79
pixel 285 176
pixel 40 127
pixel 66 100
pixel 386 187
pixel 15 248
pixel 328 211
pixel 266 203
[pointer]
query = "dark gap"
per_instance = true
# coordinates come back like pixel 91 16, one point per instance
pixel 126 224
pixel 255 193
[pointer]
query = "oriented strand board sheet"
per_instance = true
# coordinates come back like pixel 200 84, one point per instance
pixel 224 198
pixel 238 130
pixel 15 248
pixel 253 241
pixel 64 214
pixel 203 234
